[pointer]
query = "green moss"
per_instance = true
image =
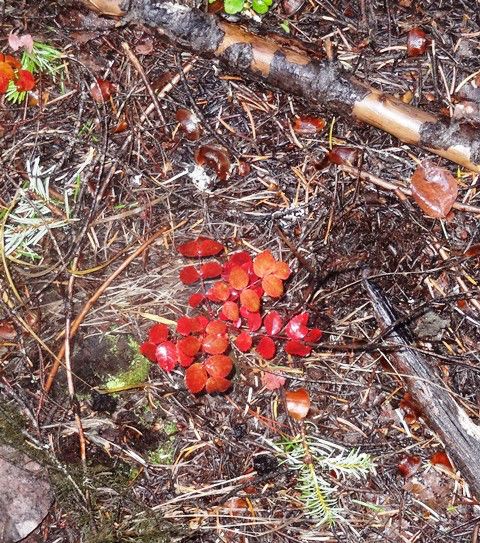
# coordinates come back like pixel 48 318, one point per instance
pixel 135 375
pixel 165 453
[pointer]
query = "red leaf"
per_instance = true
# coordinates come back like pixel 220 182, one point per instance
pixel 196 378
pixel 216 328
pixel 264 264
pixel 183 359
pixel 434 189
pixel 189 275
pixel 244 341
pixel 210 270
pixel 196 299
pixel 185 325
pixel 440 458
pixel 313 335
pixel 218 365
pixel 417 42
pixel 231 312
pixel 201 322
pixel 238 278
pixel 220 292
pixel 297 348
pixel 298 403
pixel 237 259
pixel 273 323
pixel 216 157
pixel 271 381
pixel 297 326
pixel 266 348
pixel 282 270
pixel 254 320
pixel 158 333
pixel 189 345
pixel 215 344
pixel 308 125
pixel 250 300
pixel 408 465
pixel 6 69
pixel 25 81
pixel 200 247
pixel 148 350
pixel 102 90
pixel 217 384
pixel 4 82
pixel 273 286
pixel 166 355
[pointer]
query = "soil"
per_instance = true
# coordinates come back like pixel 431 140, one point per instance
pixel 163 464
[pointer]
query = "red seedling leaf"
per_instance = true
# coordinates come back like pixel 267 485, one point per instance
pixel 254 320
pixel 238 278
pixel 250 300
pixel 264 264
pixel 408 465
pixel 201 322
pixel 102 90
pixel 189 275
pixel 216 328
pixel 297 326
pixel 13 61
pixel 191 325
pixel 282 270
pixel 218 365
pixel 313 335
pixel 189 345
pixel 183 359
pixel 166 355
pixel 200 247
pixel 158 333
pixel 434 189
pixel 297 348
pixel 25 81
pixel 220 292
pixel 440 458
pixel 417 42
pixel 215 344
pixel 7 70
pixel 308 125
pixel 298 403
pixel 230 311
pixel 217 384
pixel 266 348
pixel 244 342
pixel 196 378
pixel 211 270
pixel 273 323
pixel 196 299
pixel 273 286
pixel 148 350
pixel 215 157
pixel 271 381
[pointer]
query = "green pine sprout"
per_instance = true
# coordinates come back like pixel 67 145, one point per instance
pixel 43 59
pixel 316 492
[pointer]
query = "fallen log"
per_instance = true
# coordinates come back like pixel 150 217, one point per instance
pixel 459 434
pixel 294 70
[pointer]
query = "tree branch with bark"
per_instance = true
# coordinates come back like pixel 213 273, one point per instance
pixel 284 65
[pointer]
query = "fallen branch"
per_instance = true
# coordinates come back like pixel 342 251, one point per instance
pixel 291 68
pixel 460 436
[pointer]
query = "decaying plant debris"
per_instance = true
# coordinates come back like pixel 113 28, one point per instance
pixel 141 145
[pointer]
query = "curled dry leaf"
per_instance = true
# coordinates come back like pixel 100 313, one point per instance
pixel 298 403
pixel 408 465
pixel 308 125
pixel 434 189
pixel 189 123
pixel 340 154
pixel 417 42
pixel 215 157
pixel 7 330
pixel 102 90
pixel 440 458
pixel 292 6
pixel 271 381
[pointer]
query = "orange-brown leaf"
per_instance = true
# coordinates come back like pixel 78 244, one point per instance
pixel 264 263
pixel 273 286
pixel 298 403
pixel 238 278
pixel 250 300
pixel 434 189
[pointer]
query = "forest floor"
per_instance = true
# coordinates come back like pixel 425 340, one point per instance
pixel 163 464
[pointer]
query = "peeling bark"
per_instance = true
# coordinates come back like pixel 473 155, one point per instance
pixel 295 71
pixel 459 434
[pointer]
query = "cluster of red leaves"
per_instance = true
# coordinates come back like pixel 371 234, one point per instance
pixel 230 311
pixel 11 70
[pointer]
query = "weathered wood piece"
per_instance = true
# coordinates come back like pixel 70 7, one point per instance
pixel 292 69
pixel 460 436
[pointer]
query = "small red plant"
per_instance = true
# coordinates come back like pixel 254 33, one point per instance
pixel 229 312
pixel 11 70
